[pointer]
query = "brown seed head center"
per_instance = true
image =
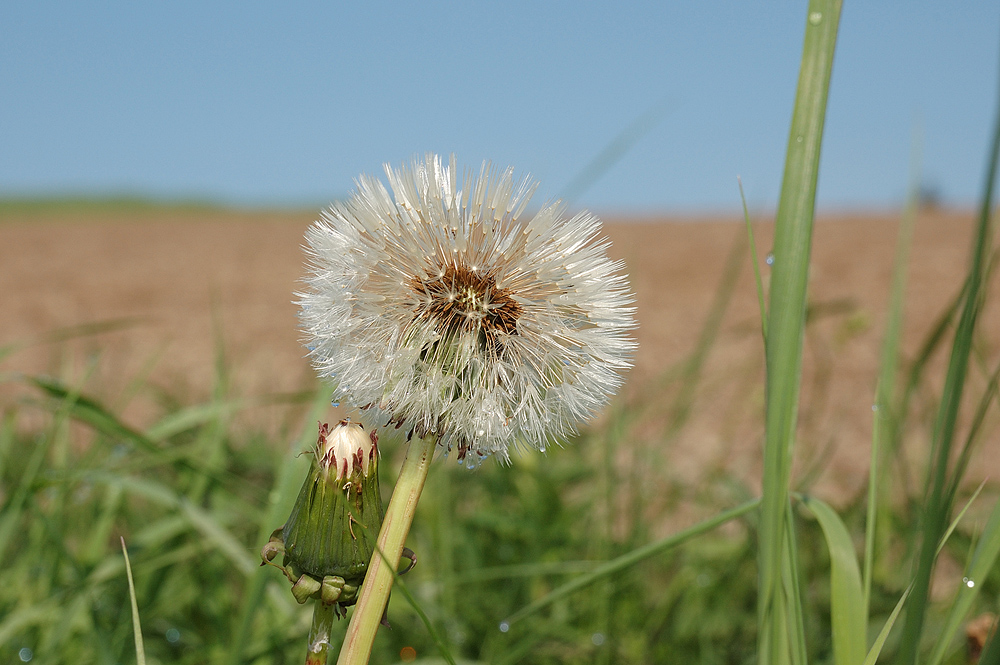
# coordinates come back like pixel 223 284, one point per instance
pixel 462 298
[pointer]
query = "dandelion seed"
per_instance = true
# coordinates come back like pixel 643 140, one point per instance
pixel 439 307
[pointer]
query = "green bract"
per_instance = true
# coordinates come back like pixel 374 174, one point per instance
pixel 329 537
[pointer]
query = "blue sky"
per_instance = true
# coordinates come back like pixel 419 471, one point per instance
pixel 251 104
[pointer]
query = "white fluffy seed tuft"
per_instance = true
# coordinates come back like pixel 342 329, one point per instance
pixel 441 310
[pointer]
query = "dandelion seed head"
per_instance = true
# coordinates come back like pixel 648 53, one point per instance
pixel 444 309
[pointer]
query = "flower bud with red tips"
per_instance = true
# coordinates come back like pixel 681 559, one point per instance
pixel 330 535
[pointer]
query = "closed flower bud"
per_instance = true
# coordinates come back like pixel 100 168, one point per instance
pixel 329 537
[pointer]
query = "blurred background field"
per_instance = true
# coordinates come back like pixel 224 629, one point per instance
pixel 152 295
pixel 153 384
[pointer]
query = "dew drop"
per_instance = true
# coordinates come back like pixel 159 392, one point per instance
pixel 541 448
pixel 25 654
pixel 816 18
pixel 597 639
pixel 798 139
pixel 875 407
pixel 968 582
pixel 770 259
pixel 173 635
pixel 334 403
pixel 504 626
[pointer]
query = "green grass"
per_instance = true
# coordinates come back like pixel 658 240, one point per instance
pixel 555 559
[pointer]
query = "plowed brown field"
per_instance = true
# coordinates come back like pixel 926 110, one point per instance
pixel 170 284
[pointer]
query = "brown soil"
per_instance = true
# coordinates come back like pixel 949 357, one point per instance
pixel 176 285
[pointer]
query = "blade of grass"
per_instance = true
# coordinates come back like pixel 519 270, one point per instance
pixel 884 424
pixel 991 652
pixel 962 463
pixel 793 593
pixel 847 612
pixel 755 264
pixel 982 562
pixel 883 634
pixel 627 560
pixel 786 323
pixel 140 652
pixel 938 507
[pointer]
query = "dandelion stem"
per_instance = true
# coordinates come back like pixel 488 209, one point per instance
pixel 381 571
pixel 319 634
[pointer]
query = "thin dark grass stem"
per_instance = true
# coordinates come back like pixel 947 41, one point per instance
pixel 756 265
pixel 938 507
pixel 885 419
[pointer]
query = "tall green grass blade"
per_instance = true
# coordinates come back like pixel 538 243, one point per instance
pixel 983 559
pixel 871 508
pixel 847 611
pixel 991 652
pixel 793 593
pixel 786 323
pixel 883 635
pixel 885 421
pixel 756 266
pixel 962 463
pixel 630 559
pixel 140 652
pixel 958 518
pixel 938 506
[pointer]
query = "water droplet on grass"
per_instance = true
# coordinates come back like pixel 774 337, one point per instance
pixel 968 582
pixel 770 259
pixel 504 626
pixel 597 639
pixel 25 654
pixel 173 635
pixel 816 18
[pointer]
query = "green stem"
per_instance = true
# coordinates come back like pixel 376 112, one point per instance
pixel 319 634
pixel 779 608
pixel 381 571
